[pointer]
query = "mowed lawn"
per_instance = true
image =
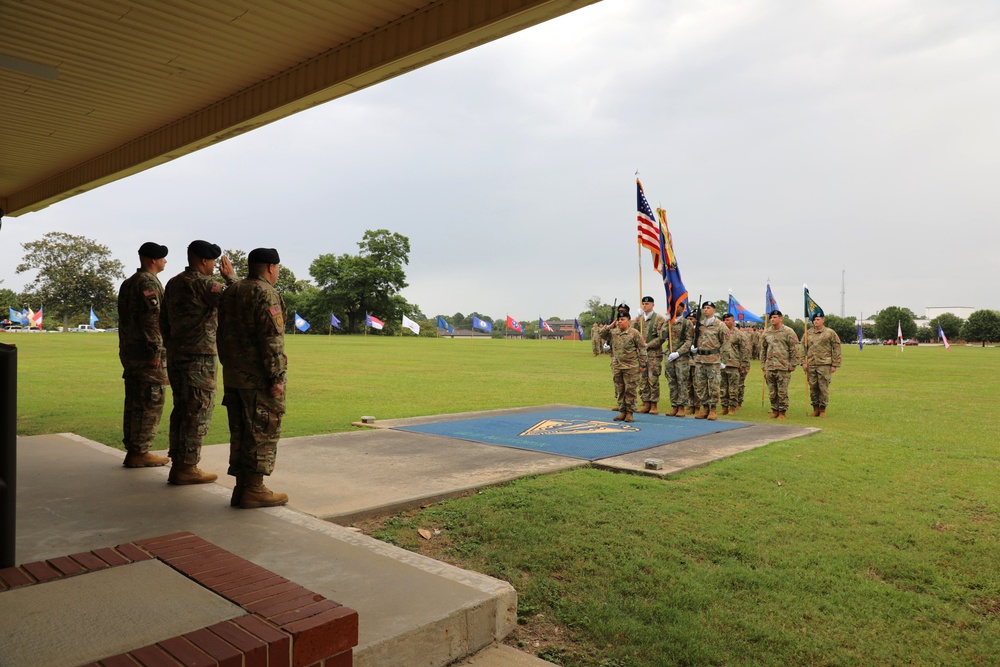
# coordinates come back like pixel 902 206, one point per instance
pixel 874 542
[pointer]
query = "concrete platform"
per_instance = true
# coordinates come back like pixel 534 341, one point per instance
pixel 74 495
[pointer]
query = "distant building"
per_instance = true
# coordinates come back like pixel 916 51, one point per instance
pixel 561 330
pixel 958 311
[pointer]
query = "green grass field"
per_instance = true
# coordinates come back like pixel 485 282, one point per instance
pixel 875 542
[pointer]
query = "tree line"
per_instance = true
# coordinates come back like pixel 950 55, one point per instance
pixel 75 274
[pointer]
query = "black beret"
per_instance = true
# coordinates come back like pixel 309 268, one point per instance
pixel 152 250
pixel 708 303
pixel 263 256
pixel 648 299
pixel 624 311
pixel 205 250
pixel 728 316
pixel 776 312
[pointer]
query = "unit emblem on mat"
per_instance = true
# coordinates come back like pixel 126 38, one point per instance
pixel 576 427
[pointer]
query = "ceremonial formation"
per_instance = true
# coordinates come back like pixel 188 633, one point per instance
pixel 176 335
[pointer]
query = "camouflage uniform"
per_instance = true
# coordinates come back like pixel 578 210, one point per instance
pixel 649 382
pixel 189 320
pixel 252 350
pixel 736 357
pixel 140 347
pixel 678 371
pixel 595 341
pixel 628 354
pixel 712 343
pixel 779 357
pixel 822 352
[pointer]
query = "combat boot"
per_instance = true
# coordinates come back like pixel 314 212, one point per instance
pixel 781 415
pixel 182 473
pixel 628 417
pixel 702 412
pixel 690 409
pixel 621 416
pixel 645 407
pixel 724 411
pixel 773 415
pixel 673 411
pixel 822 412
pixel 711 413
pixel 255 494
pixel 652 408
pixel 234 501
pixel 815 412
pixel 144 460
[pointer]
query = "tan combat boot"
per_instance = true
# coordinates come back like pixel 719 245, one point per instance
pixel 234 501
pixel 690 410
pixel 628 417
pixel 182 473
pixel 711 413
pixel 653 410
pixel 621 416
pixel 645 407
pixel 724 411
pixel 144 460
pixel 781 415
pixel 255 494
pixel 815 412
pixel 822 412
pixel 702 412
pixel 773 415
pixel 673 411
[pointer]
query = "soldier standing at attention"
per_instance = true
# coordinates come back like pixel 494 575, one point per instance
pixel 252 351
pixel 140 348
pixel 677 366
pixel 710 344
pixel 189 319
pixel 595 340
pixel 734 362
pixel 650 324
pixel 778 358
pixel 628 360
pixel 822 359
pixel 692 319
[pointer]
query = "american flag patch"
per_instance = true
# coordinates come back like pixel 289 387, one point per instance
pixel 276 310
pixel 216 287
pixel 149 292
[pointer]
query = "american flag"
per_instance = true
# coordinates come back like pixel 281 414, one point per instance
pixel 649 228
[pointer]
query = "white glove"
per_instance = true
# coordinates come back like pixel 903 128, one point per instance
pixel 672 356
pixel 694 350
pixel 721 366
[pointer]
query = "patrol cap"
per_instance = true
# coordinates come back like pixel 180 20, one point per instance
pixel 708 303
pixel 263 256
pixel 152 250
pixel 205 250
pixel 648 299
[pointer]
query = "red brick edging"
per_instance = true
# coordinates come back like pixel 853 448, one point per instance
pixel 286 625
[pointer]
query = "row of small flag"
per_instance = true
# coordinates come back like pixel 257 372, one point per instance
pixel 371 321
pixel 27 317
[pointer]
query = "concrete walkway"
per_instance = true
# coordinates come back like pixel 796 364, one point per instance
pixel 74 495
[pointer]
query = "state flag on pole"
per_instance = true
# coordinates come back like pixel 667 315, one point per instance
pixel 334 322
pixel 93 317
pixel 943 338
pixel 373 322
pixel 514 324
pixel 37 318
pixel 861 341
pixel 542 324
pixel 482 325
pixel 442 324
pixel 578 328
pixel 300 323
pixel 649 230
pixel 899 333
pixel 411 325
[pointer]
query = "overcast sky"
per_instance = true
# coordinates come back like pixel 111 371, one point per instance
pixel 789 141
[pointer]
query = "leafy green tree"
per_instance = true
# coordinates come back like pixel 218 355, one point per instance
pixel 798 326
pixel 887 320
pixel 950 324
pixel 597 311
pixel 75 274
pixel 846 327
pixel 868 331
pixel 983 326
pixel 925 334
pixel 7 301
pixel 366 283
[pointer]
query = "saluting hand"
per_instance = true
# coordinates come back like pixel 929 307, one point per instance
pixel 226 267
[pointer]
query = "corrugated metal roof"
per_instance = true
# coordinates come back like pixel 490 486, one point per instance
pixel 142 82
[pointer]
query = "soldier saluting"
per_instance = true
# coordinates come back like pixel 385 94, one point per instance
pixel 628 360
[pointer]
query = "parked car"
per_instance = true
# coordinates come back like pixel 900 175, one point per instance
pixel 891 341
pixel 910 342
pixel 85 327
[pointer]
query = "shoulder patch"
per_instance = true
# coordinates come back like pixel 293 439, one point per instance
pixel 275 310
pixel 216 287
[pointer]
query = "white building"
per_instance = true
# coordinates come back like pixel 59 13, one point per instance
pixel 959 311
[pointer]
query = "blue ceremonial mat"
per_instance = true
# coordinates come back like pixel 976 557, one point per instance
pixel 583 433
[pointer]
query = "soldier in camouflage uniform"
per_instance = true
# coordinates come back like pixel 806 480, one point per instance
pixel 595 341
pixel 140 349
pixel 821 347
pixel 189 319
pixel 677 366
pixel 734 363
pixel 710 344
pixel 252 350
pixel 628 360
pixel 779 356
pixel 691 408
pixel 650 324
